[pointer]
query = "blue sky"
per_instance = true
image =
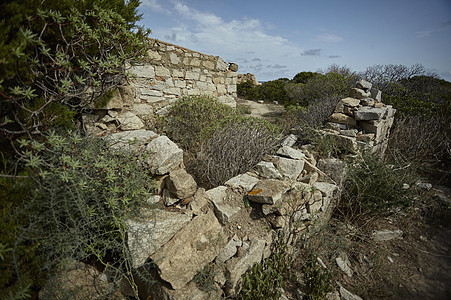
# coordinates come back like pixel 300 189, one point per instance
pixel 274 39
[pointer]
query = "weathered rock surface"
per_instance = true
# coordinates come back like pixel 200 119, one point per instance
pixel 195 245
pixel 129 121
pixel 341 118
pixel 229 250
pixel 370 113
pixel 242 182
pixel 267 170
pixel 226 203
pixel 181 184
pixel 148 233
pixel 289 152
pixel 268 191
pixel 165 155
pixel 130 140
pixel 289 168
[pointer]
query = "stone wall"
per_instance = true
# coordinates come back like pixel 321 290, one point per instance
pixel 362 120
pixel 230 227
pixel 168 73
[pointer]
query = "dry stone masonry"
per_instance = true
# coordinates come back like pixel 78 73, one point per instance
pixel 231 227
pixel 169 73
pixel 362 119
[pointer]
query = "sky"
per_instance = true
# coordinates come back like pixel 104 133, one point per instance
pixel 274 39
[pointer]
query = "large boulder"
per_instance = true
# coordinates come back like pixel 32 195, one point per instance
pixel 194 246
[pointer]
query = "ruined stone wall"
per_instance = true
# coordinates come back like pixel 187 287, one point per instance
pixel 172 71
pixel 168 73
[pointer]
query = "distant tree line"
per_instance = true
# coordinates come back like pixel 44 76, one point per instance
pixel 411 89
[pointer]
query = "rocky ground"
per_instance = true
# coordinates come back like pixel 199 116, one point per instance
pixel 410 260
pixel 404 256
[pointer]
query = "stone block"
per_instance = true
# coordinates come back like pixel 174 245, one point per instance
pixel 192 75
pixel 194 246
pixel 267 170
pixel 151 231
pixel 221 65
pixel 350 102
pixel 164 156
pixel 341 118
pixel 174 58
pixel 226 203
pixel 236 267
pixel 242 182
pixel 228 251
pixel 287 151
pixel 364 85
pixel 376 94
pixel 146 71
pixel 178 73
pixel 268 191
pixel 129 121
pixel 289 168
pixel 129 140
pixel 359 93
pixel 162 71
pixel 367 113
pixel 181 184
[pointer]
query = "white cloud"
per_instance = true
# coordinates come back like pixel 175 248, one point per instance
pixel 328 38
pixel 155 6
pixel 245 40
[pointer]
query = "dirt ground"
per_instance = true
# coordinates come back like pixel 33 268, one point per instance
pixel 415 266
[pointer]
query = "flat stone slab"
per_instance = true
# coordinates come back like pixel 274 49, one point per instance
pixel 243 182
pixel 289 152
pixel 367 113
pixel 164 156
pixel 227 204
pixel 129 140
pixel 146 235
pixel 194 246
pixel 268 191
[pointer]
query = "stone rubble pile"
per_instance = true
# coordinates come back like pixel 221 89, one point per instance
pixel 229 228
pixel 362 119
pixel 185 228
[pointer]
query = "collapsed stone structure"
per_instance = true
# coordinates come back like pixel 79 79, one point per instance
pixel 168 73
pixel 248 77
pixel 362 119
pixel 231 227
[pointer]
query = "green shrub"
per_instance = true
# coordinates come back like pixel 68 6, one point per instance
pixel 81 197
pixel 317 280
pixel 265 280
pixel 234 147
pixel 191 119
pixel 60 61
pixel 374 187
